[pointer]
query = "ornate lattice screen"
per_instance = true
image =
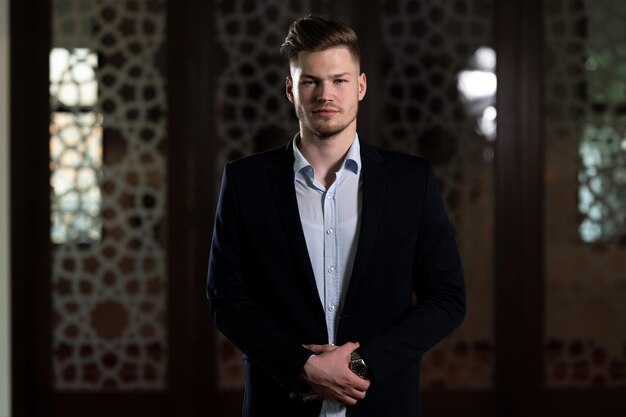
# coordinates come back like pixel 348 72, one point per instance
pixel 108 189
pixel 585 181
pixel 439 101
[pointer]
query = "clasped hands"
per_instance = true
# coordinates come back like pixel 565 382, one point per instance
pixel 328 374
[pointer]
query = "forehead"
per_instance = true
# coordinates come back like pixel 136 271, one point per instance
pixel 338 59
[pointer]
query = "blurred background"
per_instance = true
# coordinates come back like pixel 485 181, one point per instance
pixel 117 117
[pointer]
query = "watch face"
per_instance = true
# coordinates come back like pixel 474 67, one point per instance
pixel 359 368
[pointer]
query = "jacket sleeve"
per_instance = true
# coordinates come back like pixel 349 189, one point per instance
pixel 234 312
pixel 439 285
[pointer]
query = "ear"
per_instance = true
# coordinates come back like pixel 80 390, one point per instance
pixel 362 86
pixel 289 88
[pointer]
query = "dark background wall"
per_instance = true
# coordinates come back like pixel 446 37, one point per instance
pixel 117 153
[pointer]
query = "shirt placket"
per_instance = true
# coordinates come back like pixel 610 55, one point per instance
pixel 331 274
pixel 332 292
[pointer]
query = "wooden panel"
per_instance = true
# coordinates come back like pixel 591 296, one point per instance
pixel 584 403
pixel 519 208
pixel 191 204
pixel 459 403
pixel 30 224
pixel 111 404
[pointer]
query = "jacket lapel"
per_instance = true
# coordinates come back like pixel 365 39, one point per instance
pixel 282 180
pixel 374 177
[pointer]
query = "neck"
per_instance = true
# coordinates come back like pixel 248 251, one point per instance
pixel 326 154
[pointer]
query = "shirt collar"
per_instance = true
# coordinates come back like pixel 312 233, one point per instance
pixel 351 162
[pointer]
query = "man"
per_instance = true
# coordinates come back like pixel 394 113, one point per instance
pixel 318 247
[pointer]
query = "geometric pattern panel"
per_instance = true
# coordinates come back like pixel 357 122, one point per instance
pixel 76 162
pixel 585 191
pixel 438 101
pixel 109 278
pixel 253 113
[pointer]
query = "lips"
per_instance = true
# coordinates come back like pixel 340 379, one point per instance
pixel 326 111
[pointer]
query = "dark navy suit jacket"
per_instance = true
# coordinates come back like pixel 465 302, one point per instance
pixel 262 290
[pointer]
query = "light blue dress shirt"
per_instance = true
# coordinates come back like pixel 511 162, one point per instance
pixel 330 220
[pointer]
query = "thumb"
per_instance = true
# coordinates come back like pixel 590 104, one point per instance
pixel 317 349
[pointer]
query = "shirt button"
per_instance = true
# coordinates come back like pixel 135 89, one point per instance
pixel 331 308
pixel 329 195
pixel 330 231
pixel 331 269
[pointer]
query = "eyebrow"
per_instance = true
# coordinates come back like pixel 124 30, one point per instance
pixel 313 77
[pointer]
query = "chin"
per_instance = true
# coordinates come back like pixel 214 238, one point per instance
pixel 327 131
pixel 325 134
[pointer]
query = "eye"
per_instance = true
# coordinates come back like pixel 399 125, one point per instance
pixel 340 81
pixel 307 82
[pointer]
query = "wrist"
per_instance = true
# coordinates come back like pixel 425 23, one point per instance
pixel 306 369
pixel 358 365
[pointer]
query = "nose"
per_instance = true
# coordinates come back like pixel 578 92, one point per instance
pixel 324 92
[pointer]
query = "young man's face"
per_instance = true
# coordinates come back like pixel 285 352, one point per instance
pixel 325 88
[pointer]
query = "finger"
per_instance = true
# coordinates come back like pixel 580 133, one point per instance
pixel 351 346
pixel 311 397
pixel 362 384
pixel 318 349
pixel 347 400
pixel 328 348
pixel 356 394
pixel 358 382
pixel 314 348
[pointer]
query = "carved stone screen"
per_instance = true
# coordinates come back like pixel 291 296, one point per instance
pixel 585 189
pixel 438 100
pixel 108 190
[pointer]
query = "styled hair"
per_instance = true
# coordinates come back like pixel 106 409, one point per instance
pixel 314 33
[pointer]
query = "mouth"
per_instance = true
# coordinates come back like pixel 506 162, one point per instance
pixel 326 112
